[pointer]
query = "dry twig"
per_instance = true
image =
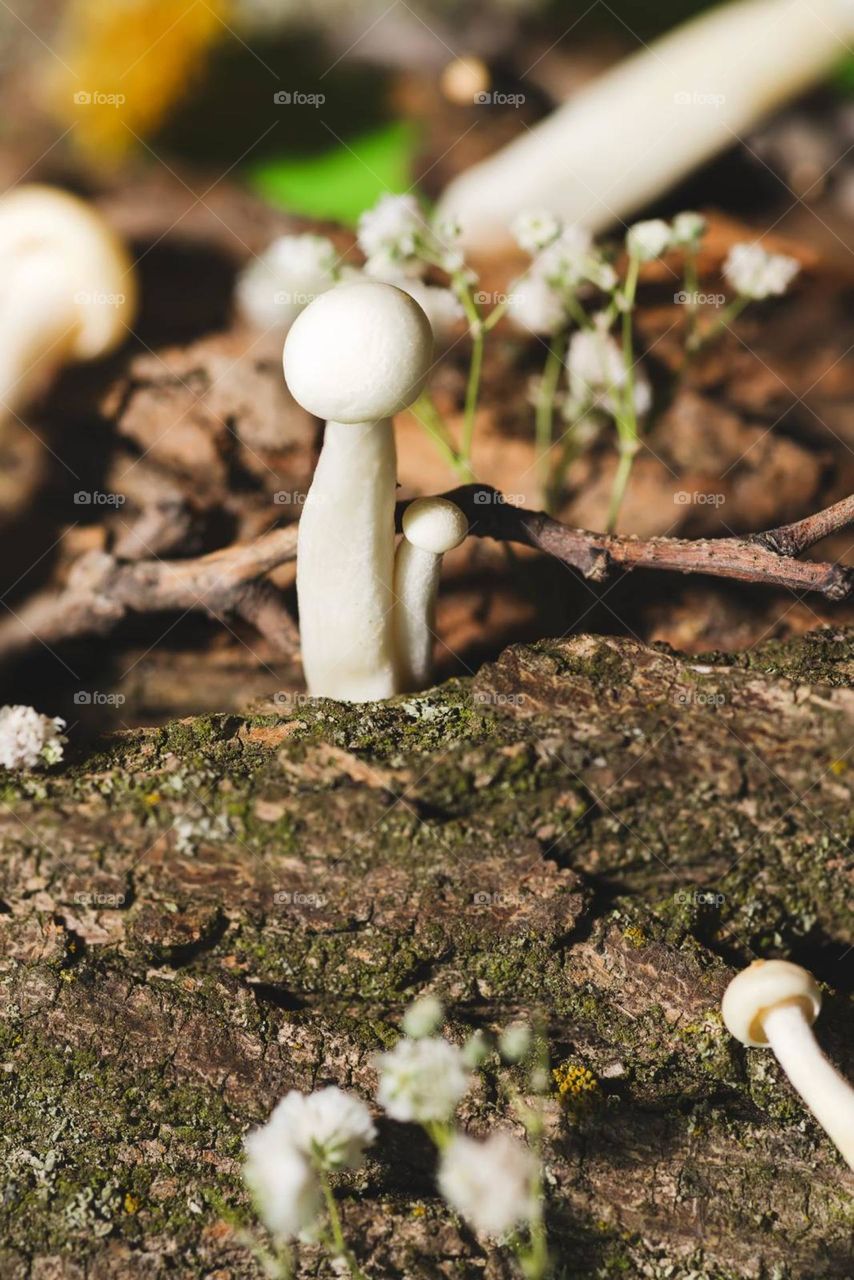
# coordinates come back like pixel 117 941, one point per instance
pixel 102 590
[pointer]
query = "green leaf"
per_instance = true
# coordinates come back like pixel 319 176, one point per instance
pixel 340 183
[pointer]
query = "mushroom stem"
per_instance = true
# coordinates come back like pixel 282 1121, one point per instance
pixel 827 1094
pixel 345 564
pixel 38 328
pixel 650 120
pixel 416 584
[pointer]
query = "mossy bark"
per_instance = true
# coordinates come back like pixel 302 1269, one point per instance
pixel 199 917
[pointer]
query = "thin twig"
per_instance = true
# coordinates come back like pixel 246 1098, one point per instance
pixel 102 590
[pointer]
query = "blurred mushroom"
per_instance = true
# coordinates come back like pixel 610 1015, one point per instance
pixel 67 288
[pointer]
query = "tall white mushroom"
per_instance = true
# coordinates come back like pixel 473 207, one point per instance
pixel 431 526
pixel 67 288
pixel 643 125
pixel 357 355
pixel 774 1003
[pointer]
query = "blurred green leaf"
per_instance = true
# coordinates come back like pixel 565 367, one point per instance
pixel 843 78
pixel 343 182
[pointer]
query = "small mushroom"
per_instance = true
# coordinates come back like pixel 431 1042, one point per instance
pixel 431 526
pixel 357 355
pixel 774 1003
pixel 67 288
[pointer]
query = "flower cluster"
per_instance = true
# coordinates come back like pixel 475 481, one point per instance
pixel 285 278
pixel 28 739
pixel 494 1183
pixel 400 246
pixel 755 274
pixel 563 260
pixel 287 1159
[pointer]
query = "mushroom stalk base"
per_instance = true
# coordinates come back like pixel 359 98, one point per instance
pixel 829 1097
pixel 38 326
pixel 345 565
pixel 416 582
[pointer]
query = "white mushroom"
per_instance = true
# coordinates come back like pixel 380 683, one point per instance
pixel 355 356
pixel 774 1003
pixel 646 123
pixel 431 526
pixel 67 288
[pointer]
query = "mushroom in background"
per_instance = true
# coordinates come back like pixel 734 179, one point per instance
pixel 67 289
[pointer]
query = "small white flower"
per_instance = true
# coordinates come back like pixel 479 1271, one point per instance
pixel 755 273
pixel 284 279
pixel 515 1041
pixel 28 739
pixel 442 307
pixel 421 1080
pixel 491 1184
pixel 393 225
pixel 475 1050
pixel 423 1018
pixel 597 373
pixel 688 228
pixel 536 305
pixel 285 1188
pixel 535 229
pixel 564 262
pixel 330 1127
pixel 648 240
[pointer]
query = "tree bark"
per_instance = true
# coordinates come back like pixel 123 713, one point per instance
pixel 197 918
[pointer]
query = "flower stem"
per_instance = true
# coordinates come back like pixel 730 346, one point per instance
pixel 340 1244
pixel 478 329
pixel 730 313
pixel 545 415
pixel 627 426
pixel 433 423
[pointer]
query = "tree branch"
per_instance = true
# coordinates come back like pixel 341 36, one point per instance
pixel 596 555
pixel 102 589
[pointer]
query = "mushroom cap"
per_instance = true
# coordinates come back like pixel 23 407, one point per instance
pixel 53 225
pixel 434 524
pixel 761 987
pixel 358 353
